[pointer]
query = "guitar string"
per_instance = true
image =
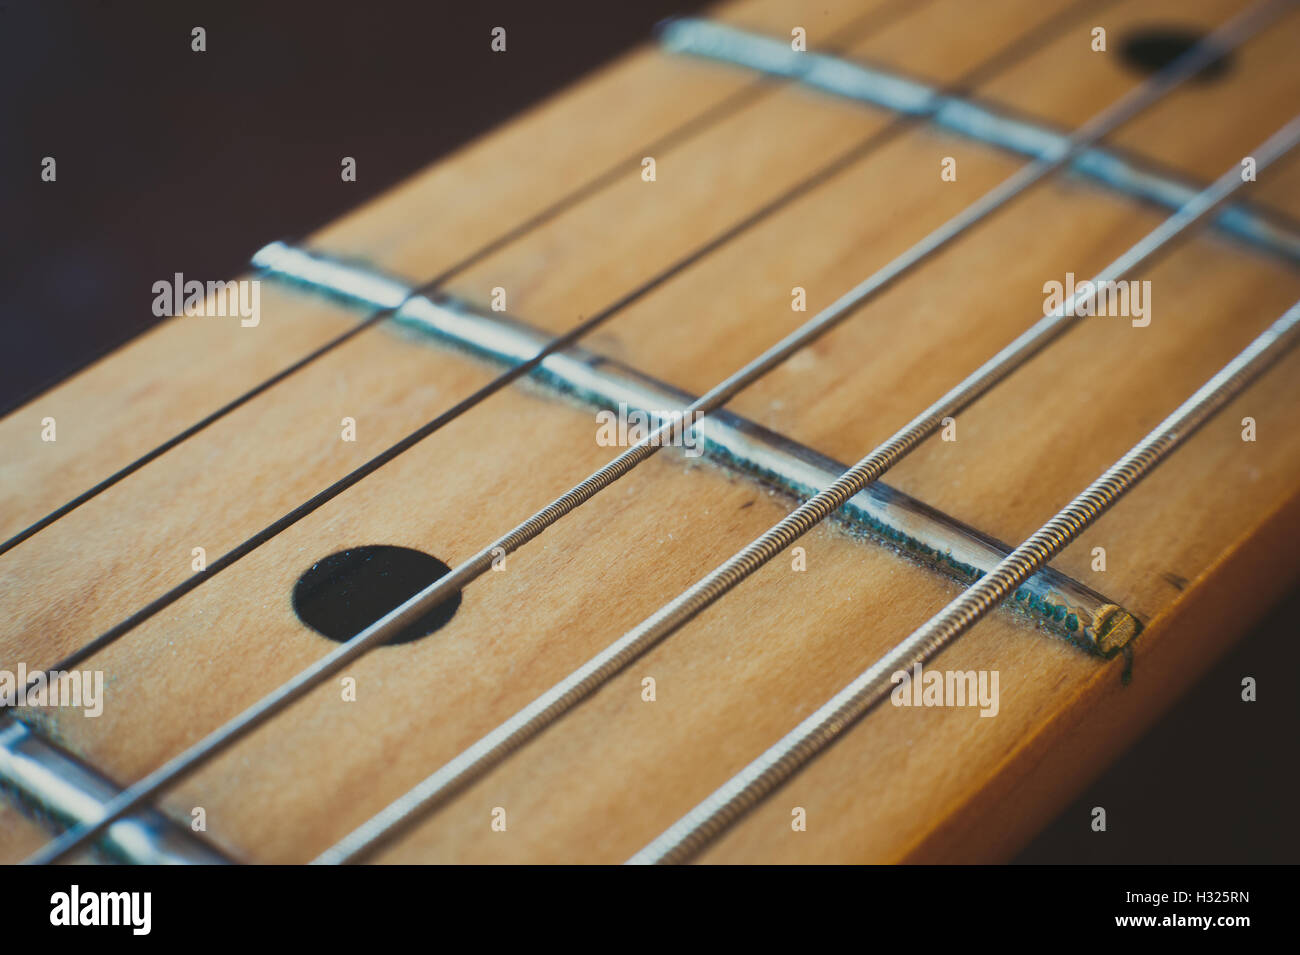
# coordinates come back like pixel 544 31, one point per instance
pixel 874 20
pixel 717 813
pixel 893 129
pixel 1190 63
pixel 494 747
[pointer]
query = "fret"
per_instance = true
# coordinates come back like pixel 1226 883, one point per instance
pixel 980 122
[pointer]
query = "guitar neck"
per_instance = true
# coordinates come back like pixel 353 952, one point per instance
pixel 230 498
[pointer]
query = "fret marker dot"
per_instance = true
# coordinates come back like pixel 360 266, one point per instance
pixel 1151 50
pixel 342 594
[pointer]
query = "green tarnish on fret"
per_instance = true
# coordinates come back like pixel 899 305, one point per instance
pixel 1109 628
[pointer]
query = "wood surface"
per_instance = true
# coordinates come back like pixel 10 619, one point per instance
pixel 1198 551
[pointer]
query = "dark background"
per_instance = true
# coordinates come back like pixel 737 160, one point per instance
pixel 172 161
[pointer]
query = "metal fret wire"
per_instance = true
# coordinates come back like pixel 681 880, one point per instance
pixel 184 763
pixel 494 747
pixel 877 18
pixel 689 835
pixel 561 342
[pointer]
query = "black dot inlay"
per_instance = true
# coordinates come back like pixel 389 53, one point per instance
pixel 1152 49
pixel 342 594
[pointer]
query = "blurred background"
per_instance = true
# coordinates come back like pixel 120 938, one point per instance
pixel 173 161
